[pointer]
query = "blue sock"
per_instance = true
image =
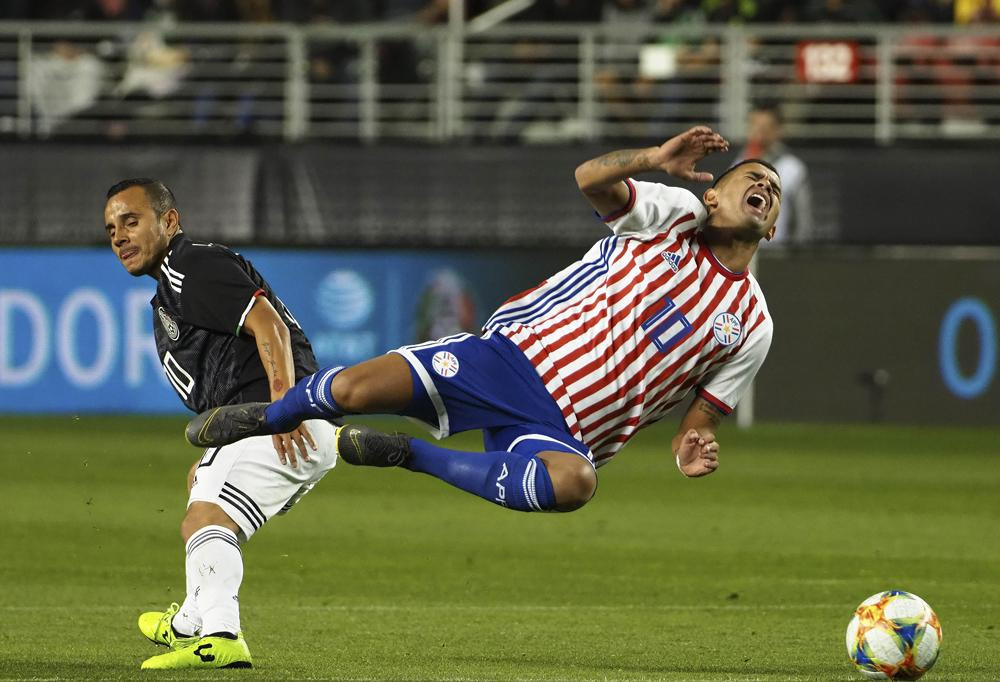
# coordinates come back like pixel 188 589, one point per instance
pixel 310 398
pixel 505 478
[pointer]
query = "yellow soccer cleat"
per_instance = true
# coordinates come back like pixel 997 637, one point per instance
pixel 204 652
pixel 155 626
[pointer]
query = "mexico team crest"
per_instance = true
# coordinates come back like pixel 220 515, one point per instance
pixel 445 364
pixel 173 331
pixel 727 328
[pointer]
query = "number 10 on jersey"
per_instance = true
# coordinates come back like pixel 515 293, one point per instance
pixel 668 327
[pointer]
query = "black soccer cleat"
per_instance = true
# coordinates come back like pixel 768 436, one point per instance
pixel 363 446
pixel 228 424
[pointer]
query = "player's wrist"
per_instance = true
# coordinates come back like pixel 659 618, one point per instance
pixel 651 159
pixel 680 468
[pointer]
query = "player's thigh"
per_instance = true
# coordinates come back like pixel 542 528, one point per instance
pixel 191 473
pixel 202 514
pixel 251 486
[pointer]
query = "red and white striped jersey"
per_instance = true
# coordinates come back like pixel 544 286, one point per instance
pixel 622 335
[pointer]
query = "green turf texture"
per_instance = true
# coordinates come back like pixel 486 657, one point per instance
pixel 749 574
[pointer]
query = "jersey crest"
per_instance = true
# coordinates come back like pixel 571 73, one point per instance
pixel 727 328
pixel 169 326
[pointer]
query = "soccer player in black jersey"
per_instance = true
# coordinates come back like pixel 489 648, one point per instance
pixel 223 337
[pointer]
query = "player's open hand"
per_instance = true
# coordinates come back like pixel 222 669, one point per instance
pixel 679 155
pixel 698 455
pixel 285 445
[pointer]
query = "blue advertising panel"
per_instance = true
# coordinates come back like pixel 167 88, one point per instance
pixel 76 331
pixel 882 338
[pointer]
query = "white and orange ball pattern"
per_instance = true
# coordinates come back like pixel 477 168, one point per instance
pixel 893 635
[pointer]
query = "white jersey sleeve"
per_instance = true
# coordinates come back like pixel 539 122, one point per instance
pixel 653 208
pixel 725 387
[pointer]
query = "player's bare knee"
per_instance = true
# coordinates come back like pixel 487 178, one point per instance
pixel 574 483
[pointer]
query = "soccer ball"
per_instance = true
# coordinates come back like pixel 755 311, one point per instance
pixel 893 635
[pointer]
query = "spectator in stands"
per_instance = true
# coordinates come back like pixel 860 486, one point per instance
pixel 976 11
pixel 333 65
pixel 764 141
pixel 663 81
pixel 621 89
pixel 15 9
pixel 970 72
pixel 114 10
pixel 545 103
pixel 323 11
pixel 730 11
pixel 400 61
pixel 206 10
pixel 65 80
pixel 842 11
pixel 564 11
pixel 917 11
pixel 256 11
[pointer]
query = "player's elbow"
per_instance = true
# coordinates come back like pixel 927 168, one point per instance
pixel 264 322
pixel 585 179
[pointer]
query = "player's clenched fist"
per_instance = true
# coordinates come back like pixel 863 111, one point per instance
pixel 697 455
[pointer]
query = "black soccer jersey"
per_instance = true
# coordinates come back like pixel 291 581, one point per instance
pixel 204 294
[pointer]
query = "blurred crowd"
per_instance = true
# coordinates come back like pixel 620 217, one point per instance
pixel 533 89
pixel 435 11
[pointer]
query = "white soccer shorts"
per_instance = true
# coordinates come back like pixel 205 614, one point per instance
pixel 251 485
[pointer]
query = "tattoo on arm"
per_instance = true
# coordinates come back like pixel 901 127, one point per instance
pixel 619 159
pixel 271 366
pixel 713 414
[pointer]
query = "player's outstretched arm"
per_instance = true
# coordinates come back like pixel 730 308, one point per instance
pixel 274 345
pixel 694 446
pixel 602 179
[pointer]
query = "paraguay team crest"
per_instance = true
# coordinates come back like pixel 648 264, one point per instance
pixel 173 331
pixel 727 328
pixel 445 364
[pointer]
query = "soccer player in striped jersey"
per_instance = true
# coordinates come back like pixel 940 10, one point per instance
pixel 566 373
pixel 223 336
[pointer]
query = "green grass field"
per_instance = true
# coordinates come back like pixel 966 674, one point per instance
pixel 749 574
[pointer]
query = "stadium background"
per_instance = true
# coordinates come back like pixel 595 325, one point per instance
pixel 397 169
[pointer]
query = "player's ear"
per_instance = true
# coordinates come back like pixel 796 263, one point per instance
pixel 770 233
pixel 711 198
pixel 172 221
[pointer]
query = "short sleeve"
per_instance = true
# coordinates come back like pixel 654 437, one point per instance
pixel 725 387
pixel 653 207
pixel 217 293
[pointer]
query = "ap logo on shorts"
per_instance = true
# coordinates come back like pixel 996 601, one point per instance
pixel 445 364
pixel 727 328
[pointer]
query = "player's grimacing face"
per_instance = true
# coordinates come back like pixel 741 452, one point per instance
pixel 749 198
pixel 138 237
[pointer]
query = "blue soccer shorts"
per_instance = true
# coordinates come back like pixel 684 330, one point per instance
pixel 466 382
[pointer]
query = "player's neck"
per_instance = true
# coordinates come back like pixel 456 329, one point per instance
pixel 734 252
pixel 155 271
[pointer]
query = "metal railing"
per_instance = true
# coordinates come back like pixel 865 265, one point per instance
pixel 534 82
